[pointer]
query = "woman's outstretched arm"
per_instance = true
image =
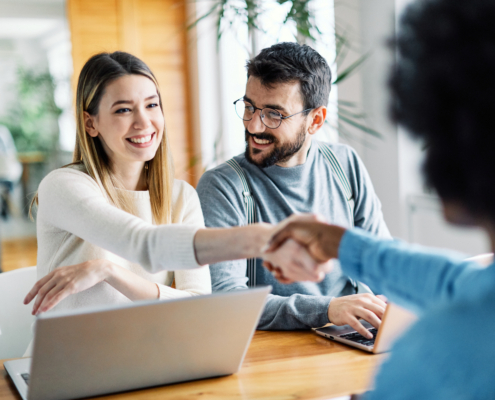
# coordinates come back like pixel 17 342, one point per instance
pixel 71 201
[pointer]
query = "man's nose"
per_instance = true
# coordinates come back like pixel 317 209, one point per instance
pixel 255 125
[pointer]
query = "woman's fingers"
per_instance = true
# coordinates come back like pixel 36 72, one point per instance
pixel 37 286
pixel 42 292
pixel 296 263
pixel 293 263
pixel 55 296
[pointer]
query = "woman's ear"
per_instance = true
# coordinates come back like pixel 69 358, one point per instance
pixel 89 125
pixel 316 119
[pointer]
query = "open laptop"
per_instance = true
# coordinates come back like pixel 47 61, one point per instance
pixel 395 321
pixel 117 348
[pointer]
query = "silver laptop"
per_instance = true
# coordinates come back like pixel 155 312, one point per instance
pixel 395 321
pixel 117 348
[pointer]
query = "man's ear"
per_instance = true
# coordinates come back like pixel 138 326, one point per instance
pixel 89 125
pixel 316 119
pixel 455 213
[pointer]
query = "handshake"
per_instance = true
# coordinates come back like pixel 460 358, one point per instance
pixel 301 247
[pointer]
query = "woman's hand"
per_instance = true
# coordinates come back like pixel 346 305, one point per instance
pixel 64 281
pixel 319 238
pixel 292 263
pixel 314 237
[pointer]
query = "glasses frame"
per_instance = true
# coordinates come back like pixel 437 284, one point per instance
pixel 267 108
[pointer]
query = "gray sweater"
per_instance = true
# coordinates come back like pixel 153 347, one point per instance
pixel 280 192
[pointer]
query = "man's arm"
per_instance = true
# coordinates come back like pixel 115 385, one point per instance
pixel 297 311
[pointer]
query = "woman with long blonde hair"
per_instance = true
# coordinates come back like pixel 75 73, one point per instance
pixel 115 218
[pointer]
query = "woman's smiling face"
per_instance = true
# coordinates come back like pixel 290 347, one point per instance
pixel 129 122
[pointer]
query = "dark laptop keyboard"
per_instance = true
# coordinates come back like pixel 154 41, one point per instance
pixel 358 338
pixel 26 378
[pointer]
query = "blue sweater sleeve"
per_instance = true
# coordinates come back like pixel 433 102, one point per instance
pixel 412 276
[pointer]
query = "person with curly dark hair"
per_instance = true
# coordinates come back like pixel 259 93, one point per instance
pixel 442 88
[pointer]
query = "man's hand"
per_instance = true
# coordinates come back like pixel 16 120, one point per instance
pixel 292 263
pixel 320 239
pixel 347 310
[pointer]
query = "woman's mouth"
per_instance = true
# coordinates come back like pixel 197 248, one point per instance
pixel 141 141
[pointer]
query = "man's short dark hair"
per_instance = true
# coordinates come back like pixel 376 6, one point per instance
pixel 444 93
pixel 291 62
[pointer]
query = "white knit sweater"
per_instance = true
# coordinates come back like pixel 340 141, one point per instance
pixel 76 223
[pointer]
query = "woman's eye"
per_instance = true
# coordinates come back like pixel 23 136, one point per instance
pixel 122 110
pixel 153 105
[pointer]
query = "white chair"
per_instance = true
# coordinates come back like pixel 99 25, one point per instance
pixel 15 318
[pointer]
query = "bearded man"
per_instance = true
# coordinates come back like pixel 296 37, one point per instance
pixel 285 171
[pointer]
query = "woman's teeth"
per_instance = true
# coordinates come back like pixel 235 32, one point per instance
pixel 144 139
pixel 261 141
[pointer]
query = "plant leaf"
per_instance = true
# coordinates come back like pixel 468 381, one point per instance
pixel 351 68
pixel 208 13
pixel 360 126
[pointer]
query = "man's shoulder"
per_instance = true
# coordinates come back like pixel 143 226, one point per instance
pixel 347 157
pixel 344 153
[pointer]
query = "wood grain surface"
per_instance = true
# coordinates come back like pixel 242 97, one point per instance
pixel 278 365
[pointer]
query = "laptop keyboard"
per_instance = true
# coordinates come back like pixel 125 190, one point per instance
pixel 26 378
pixel 358 338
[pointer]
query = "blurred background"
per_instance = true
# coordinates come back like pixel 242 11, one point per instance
pixel 198 50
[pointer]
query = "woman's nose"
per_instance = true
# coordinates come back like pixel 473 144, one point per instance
pixel 141 120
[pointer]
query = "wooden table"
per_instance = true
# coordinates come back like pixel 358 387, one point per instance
pixel 279 365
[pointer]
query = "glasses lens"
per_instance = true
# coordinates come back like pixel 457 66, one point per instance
pixel 244 110
pixel 271 118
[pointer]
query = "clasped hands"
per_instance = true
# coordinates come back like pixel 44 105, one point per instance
pixel 301 249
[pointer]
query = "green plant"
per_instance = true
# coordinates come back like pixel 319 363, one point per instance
pixel 231 13
pixel 33 117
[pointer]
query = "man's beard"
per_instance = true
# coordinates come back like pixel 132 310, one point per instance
pixel 279 153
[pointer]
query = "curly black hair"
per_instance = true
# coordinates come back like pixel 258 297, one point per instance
pixel 290 62
pixel 443 89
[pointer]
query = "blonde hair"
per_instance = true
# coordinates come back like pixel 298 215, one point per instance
pixel 96 74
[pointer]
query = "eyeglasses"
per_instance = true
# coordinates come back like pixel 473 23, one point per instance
pixel 271 118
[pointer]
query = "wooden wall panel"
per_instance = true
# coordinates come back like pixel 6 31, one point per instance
pixel 153 30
